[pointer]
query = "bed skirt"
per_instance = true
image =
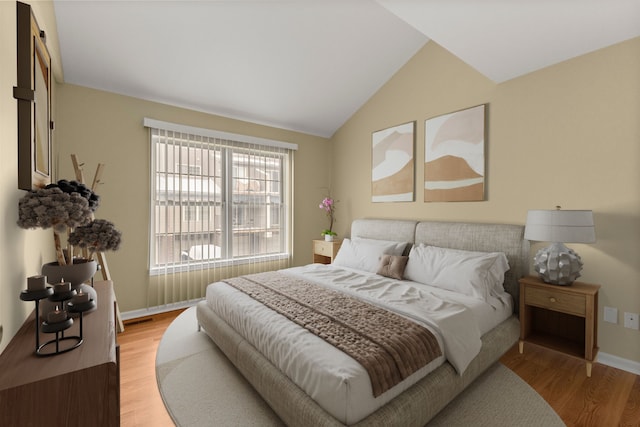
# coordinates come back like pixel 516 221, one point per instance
pixel 414 407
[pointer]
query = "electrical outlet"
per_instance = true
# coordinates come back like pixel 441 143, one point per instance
pixel 611 315
pixel 631 320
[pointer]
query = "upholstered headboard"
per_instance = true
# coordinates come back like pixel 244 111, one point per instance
pixel 398 230
pixel 505 238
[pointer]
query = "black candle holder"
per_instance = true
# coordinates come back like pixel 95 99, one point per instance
pixel 53 346
pixel 80 308
pixel 36 296
pixel 58 328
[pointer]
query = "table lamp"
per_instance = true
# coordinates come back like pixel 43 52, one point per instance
pixel 557 264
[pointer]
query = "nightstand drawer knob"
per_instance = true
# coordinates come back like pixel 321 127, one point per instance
pixel 552 299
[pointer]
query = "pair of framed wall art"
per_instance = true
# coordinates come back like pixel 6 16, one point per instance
pixel 454 159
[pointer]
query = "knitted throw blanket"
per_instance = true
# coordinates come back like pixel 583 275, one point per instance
pixel 386 344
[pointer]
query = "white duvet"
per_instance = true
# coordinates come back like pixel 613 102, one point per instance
pixel 333 379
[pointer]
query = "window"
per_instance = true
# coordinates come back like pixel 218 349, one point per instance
pixel 187 169
pixel 217 199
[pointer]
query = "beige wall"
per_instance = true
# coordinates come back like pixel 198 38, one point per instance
pixel 22 252
pixel 101 127
pixel 566 135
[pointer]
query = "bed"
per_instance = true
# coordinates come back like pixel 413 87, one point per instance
pixel 291 380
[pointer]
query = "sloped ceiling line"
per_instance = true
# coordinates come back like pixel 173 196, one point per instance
pixel 308 65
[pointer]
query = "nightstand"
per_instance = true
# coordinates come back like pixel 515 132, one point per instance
pixel 562 318
pixel 325 252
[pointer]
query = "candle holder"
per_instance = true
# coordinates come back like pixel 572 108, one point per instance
pixel 80 308
pixel 61 343
pixel 58 328
pixel 36 296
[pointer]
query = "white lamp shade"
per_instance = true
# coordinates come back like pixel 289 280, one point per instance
pixel 560 226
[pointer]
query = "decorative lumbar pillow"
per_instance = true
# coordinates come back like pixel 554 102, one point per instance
pixel 364 254
pixel 475 274
pixel 392 266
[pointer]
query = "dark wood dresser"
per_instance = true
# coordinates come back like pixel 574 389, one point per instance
pixel 78 388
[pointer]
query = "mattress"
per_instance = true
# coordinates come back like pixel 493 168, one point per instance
pixel 334 380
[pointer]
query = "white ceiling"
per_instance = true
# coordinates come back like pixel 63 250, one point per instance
pixel 308 65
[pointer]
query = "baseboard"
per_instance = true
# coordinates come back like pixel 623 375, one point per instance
pixel 620 363
pixel 128 315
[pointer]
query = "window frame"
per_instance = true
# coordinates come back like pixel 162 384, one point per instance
pixel 228 144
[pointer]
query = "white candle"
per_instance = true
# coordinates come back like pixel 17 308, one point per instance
pixel 56 316
pixel 80 297
pixel 36 283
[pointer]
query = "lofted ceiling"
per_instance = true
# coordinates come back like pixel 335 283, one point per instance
pixel 308 65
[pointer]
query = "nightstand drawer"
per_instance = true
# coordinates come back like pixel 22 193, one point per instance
pixel 556 301
pixel 325 252
pixel 323 248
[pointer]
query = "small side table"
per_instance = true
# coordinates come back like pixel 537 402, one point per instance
pixel 325 252
pixel 562 318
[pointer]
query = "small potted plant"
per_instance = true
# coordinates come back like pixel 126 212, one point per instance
pixel 328 205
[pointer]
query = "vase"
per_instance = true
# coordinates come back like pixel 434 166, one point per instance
pixel 77 274
pixel 328 238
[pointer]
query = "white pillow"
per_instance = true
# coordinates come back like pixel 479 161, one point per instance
pixel 397 247
pixel 470 273
pixel 364 254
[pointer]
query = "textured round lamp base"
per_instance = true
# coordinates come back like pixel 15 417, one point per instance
pixel 557 264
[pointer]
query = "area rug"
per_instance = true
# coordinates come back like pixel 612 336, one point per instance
pixel 200 387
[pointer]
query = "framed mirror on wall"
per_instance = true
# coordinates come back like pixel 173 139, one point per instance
pixel 34 102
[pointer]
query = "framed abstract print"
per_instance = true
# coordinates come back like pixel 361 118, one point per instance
pixel 393 164
pixel 454 164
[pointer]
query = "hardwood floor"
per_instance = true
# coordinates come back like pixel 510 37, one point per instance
pixel 140 401
pixel 611 397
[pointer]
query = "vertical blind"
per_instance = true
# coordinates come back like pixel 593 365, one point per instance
pixel 221 206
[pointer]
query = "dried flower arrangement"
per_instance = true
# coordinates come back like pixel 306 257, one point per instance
pixel 99 235
pixel 68 207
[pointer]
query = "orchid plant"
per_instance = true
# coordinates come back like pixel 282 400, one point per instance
pixel 329 205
